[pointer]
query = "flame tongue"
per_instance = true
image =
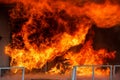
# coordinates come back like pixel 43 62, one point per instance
pixel 46 51
pixel 45 30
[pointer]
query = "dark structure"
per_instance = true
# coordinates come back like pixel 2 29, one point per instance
pixel 4 35
pixel 0 37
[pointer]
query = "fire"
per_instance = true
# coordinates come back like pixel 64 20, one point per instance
pixel 105 16
pixel 88 56
pixel 45 30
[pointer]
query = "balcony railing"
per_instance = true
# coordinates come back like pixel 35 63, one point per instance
pixel 111 75
pixel 22 68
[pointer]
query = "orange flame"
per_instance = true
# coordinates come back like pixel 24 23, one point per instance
pixel 105 16
pixel 89 56
pixel 48 29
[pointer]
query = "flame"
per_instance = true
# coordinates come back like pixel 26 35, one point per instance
pixel 44 30
pixel 88 56
pixel 105 16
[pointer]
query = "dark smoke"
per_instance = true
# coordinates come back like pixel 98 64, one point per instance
pixel 109 39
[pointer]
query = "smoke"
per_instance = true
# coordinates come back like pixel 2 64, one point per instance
pixel 37 76
pixel 117 76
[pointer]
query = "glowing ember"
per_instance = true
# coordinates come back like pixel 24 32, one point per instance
pixel 44 30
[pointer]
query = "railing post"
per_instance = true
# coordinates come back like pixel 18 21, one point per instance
pixel 111 72
pixel 0 73
pixel 23 73
pixel 114 72
pixel 93 72
pixel 74 73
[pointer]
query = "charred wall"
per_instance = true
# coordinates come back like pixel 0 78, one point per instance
pixel 4 34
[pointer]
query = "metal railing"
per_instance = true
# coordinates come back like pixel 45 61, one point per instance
pixel 74 74
pixel 23 70
pixel 111 76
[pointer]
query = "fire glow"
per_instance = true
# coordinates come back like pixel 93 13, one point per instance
pixel 49 29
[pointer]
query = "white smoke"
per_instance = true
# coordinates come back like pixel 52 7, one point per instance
pixel 41 76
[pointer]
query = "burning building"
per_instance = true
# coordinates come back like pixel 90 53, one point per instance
pixel 56 35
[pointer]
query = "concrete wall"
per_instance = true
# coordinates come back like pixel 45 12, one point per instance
pixel 5 34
